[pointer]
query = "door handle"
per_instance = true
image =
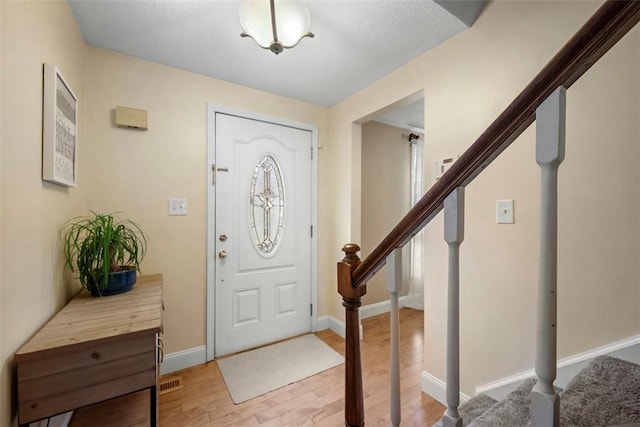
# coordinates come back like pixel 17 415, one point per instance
pixel 222 254
pixel 213 172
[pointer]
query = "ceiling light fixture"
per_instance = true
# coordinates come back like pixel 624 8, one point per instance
pixel 259 23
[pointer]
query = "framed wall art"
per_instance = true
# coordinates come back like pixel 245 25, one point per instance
pixel 59 129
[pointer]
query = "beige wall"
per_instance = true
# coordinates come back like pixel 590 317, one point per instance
pixel 120 170
pixel 138 171
pixel 599 286
pixel 386 167
pixel 467 82
pixel 31 211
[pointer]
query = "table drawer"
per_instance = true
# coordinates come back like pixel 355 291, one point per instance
pixel 32 410
pixel 86 375
pixel 81 356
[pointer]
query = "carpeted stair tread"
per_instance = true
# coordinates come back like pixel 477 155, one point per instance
pixel 512 411
pixel 605 393
pixel 473 408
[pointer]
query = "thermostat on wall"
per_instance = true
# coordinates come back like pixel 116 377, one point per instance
pixel 131 118
pixel 443 165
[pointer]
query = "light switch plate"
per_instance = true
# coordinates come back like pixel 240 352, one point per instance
pixel 504 212
pixel 177 206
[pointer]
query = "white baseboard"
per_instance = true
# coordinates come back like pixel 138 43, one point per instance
pixel 61 420
pixel 567 368
pixel 601 351
pixel 64 419
pixel 183 359
pixel 198 355
pixel 371 310
pixel 366 311
pixel 336 326
pixel 437 388
pixel 322 323
pixel 339 327
pixel 627 349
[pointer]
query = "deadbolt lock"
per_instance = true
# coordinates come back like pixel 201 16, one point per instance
pixel 223 237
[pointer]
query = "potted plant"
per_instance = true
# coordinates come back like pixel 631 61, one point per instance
pixel 105 250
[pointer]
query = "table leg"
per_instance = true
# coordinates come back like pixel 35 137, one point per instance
pixel 153 406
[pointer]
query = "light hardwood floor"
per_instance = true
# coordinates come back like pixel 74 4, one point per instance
pixel 317 400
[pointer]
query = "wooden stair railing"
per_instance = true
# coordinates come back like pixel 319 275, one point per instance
pixel 601 32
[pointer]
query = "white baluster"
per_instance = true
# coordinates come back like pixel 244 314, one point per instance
pixel 550 135
pixel 394 286
pixel 454 235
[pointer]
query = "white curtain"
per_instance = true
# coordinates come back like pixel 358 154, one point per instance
pixel 415 296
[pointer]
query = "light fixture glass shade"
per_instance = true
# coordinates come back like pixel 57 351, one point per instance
pixel 292 22
pixel 255 18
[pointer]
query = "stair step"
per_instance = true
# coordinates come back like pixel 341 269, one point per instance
pixel 473 408
pixel 605 393
pixel 512 411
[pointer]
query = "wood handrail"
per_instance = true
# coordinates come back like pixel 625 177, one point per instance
pixel 603 30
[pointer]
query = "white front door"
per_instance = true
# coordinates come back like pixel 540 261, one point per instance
pixel 262 232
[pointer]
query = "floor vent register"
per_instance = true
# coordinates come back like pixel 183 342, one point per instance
pixel 170 384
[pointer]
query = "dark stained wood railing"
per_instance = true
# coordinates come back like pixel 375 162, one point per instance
pixel 602 31
pixel 608 25
pixel 351 300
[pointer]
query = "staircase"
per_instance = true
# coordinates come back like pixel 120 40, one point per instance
pixel 605 393
pixel 594 397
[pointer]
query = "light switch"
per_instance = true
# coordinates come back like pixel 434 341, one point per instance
pixel 177 206
pixel 504 212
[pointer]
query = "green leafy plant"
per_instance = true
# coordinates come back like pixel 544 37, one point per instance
pixel 100 244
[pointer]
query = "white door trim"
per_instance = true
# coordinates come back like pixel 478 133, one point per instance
pixel 212 109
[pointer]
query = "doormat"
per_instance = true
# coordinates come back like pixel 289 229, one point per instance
pixel 265 369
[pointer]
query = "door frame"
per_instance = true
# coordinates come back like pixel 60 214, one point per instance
pixel 212 109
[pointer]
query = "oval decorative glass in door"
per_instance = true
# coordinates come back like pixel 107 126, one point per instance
pixel 266 206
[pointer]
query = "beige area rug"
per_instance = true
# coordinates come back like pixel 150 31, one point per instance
pixel 260 371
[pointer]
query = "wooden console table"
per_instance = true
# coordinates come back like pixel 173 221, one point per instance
pixel 94 349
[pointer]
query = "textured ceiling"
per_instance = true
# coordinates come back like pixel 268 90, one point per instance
pixel 356 42
pixel 409 116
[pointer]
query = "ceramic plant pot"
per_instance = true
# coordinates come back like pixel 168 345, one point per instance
pixel 119 282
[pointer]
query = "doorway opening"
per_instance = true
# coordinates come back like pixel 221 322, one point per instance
pixel 391 182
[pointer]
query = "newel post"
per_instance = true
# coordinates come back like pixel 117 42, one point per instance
pixel 351 300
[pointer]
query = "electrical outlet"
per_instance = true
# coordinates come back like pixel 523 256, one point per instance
pixel 504 212
pixel 177 206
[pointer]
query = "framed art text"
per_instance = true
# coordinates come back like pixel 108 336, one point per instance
pixel 59 129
